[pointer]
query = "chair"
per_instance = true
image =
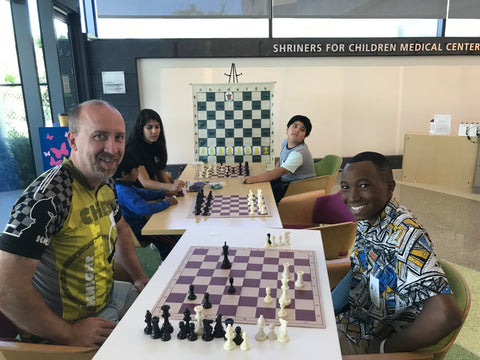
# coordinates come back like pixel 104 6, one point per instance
pixel 326 171
pixel 330 209
pixel 460 291
pixel 11 349
pixel 296 211
pixel 337 239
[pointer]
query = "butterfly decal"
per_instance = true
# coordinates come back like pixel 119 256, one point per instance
pixel 49 137
pixel 46 154
pixel 54 162
pixel 59 152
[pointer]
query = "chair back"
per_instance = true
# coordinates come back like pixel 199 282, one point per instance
pixel 330 209
pixel 461 293
pixel 296 210
pixel 337 239
pixel 328 165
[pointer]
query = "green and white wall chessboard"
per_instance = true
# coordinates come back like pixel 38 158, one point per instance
pixel 233 123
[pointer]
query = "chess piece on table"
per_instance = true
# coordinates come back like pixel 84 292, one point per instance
pixel 286 271
pixel 198 318
pixel 282 332
pixel 268 298
pixel 229 334
pixel 231 289
pixel 218 331
pixel 191 293
pixel 271 334
pixel 285 297
pixel 206 301
pixel 187 318
pixel 287 238
pixel 226 264
pixel 192 335
pixel 148 320
pixel 273 244
pixel 166 327
pixel 156 333
pixel 282 312
pixel 183 333
pixel 238 335
pixel 299 283
pixel 207 330
pixel 245 345
pixel 260 336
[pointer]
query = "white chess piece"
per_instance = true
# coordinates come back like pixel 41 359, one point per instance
pixel 282 312
pixel 198 317
pixel 273 241
pixel 260 336
pixel 245 345
pixel 280 241
pixel 287 238
pixel 267 244
pixel 229 335
pixel 271 335
pixel 299 283
pixel 286 271
pixel 285 297
pixel 268 299
pixel 282 332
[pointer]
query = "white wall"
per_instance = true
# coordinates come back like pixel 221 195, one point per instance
pixel 355 104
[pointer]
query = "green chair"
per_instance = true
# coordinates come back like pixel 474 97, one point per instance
pixel 326 171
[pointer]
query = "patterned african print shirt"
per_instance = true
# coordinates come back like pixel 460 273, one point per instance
pixel 394 270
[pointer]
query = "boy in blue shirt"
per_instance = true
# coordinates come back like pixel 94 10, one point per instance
pixel 138 204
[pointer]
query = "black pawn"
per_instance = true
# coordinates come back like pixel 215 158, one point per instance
pixel 238 336
pixel 191 293
pixel 207 330
pixel 269 241
pixel 148 320
pixel 231 288
pixel 166 336
pixel 228 321
pixel 156 333
pixel 218 330
pixel 206 301
pixel 192 335
pixel 187 318
pixel 182 334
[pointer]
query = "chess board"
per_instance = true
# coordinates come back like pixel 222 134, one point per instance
pixel 253 271
pixel 233 123
pixel 230 206
pixel 220 171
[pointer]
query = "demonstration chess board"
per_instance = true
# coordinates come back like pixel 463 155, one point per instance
pixel 230 206
pixel 221 171
pixel 233 123
pixel 253 270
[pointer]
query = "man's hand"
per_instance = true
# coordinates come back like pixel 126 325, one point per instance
pixel 250 179
pixel 90 332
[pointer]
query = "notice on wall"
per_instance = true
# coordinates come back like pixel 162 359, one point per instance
pixel 442 124
pixel 113 82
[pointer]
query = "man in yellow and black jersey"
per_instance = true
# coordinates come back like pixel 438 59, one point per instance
pixel 57 250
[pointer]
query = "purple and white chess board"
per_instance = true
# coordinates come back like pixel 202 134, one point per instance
pixel 253 270
pixel 231 206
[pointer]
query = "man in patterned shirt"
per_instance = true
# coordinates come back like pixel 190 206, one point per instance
pixel 56 252
pixel 399 298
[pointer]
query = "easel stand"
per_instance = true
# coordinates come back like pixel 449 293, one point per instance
pixel 233 74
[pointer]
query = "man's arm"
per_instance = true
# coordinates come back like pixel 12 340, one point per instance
pixel 125 254
pixel 440 316
pixel 21 303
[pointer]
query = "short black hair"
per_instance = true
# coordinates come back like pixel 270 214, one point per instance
pixel 126 166
pixel 380 162
pixel 305 120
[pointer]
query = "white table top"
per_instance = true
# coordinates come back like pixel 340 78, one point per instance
pixel 128 341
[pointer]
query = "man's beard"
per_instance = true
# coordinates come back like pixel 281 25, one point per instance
pixel 101 172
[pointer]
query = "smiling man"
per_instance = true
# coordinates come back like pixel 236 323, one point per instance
pixel 56 252
pixel 399 298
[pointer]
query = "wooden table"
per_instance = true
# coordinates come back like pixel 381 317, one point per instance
pixel 175 220
pixel 128 341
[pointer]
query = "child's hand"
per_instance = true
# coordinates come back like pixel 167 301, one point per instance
pixel 172 200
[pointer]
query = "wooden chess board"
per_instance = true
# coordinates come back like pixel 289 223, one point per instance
pixel 253 270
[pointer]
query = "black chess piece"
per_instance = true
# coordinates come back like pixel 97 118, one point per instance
pixel 166 327
pixel 156 332
pixel 269 240
pixel 228 321
pixel 226 264
pixel 182 334
pixel 148 320
pixel 238 336
pixel 207 330
pixel 187 318
pixel 206 301
pixel 166 336
pixel 218 331
pixel 191 293
pixel 231 288
pixel 192 335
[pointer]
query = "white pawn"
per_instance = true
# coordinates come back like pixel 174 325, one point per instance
pixel 268 299
pixel 260 336
pixel 245 345
pixel 287 238
pixel 299 283
pixel 271 335
pixel 198 317
pixel 282 332
pixel 267 244
pixel 229 335
pixel 282 312
pixel 273 241
pixel 280 241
